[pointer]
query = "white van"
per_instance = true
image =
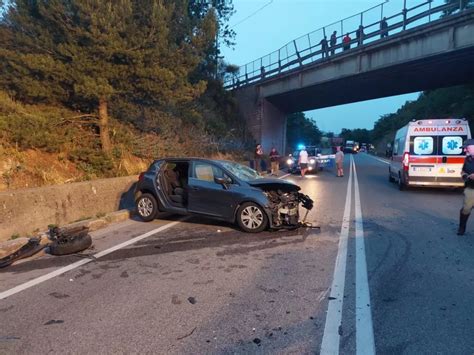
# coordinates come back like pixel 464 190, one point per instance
pixel 429 153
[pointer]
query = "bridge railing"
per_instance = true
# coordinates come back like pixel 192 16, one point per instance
pixel 309 48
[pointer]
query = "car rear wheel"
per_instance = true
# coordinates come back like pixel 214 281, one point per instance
pixel 390 177
pixel 251 218
pixel 147 207
pixel 401 185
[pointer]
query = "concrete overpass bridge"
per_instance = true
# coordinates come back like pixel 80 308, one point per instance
pixel 422 51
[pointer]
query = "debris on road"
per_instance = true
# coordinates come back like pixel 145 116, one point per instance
pixel 187 335
pixel 54 321
pixel 13 250
pixel 192 300
pixel 69 240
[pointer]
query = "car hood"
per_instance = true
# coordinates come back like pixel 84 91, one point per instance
pixel 274 184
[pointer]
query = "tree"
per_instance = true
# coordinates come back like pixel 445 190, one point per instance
pixel 87 53
pixel 301 130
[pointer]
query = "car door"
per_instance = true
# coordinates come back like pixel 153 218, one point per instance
pixel 206 196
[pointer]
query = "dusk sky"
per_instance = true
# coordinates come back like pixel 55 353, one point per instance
pixel 263 26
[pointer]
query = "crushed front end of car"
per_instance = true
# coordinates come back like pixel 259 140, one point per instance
pixel 284 207
pixel 284 200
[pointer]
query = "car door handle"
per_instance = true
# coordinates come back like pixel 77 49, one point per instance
pixel 194 188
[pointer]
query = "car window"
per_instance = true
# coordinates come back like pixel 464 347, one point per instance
pixel 203 172
pixel 452 145
pixel 208 172
pixel 424 145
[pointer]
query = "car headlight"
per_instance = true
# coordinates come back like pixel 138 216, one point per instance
pixel 289 161
pixel 312 161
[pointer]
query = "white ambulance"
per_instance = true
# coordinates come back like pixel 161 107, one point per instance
pixel 429 153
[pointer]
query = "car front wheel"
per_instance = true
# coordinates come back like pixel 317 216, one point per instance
pixel 147 207
pixel 252 218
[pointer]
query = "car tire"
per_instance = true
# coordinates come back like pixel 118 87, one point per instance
pixel 71 245
pixel 390 177
pixel 401 185
pixel 147 207
pixel 252 218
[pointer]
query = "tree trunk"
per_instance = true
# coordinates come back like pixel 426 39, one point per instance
pixel 104 126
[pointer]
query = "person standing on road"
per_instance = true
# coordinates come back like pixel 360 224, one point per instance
pixel 274 161
pixel 258 156
pixel 332 42
pixel 324 47
pixel 467 174
pixel 339 162
pixel 303 161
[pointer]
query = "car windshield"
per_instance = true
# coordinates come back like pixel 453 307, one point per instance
pixel 241 171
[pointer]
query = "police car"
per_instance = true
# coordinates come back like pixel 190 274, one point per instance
pixel 429 153
pixel 313 164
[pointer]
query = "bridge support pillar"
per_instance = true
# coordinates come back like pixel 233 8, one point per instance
pixel 265 121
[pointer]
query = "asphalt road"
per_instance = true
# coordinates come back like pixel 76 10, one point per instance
pixel 385 274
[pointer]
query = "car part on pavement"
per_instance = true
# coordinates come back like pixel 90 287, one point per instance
pixel 31 247
pixel 69 241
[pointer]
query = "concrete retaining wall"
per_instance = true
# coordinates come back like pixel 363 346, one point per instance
pixel 27 210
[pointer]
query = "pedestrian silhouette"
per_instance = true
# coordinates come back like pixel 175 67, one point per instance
pixel 383 28
pixel 333 42
pixel 360 35
pixel 346 42
pixel 324 47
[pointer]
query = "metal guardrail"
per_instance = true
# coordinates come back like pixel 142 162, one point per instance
pixel 308 49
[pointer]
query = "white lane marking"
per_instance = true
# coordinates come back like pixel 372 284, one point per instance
pixel 79 263
pixel 365 344
pixel 380 160
pixel 284 176
pixel 331 337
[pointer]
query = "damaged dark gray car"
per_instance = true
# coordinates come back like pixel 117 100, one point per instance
pixel 221 190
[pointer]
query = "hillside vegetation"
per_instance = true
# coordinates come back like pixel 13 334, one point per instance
pixel 98 88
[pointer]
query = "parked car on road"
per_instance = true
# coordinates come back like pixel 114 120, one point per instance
pixel 313 165
pixel 221 190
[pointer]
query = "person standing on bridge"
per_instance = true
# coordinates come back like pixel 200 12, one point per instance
pixel 346 42
pixel 332 42
pixel 339 162
pixel 383 28
pixel 467 174
pixel 324 47
pixel 258 156
pixel 360 35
